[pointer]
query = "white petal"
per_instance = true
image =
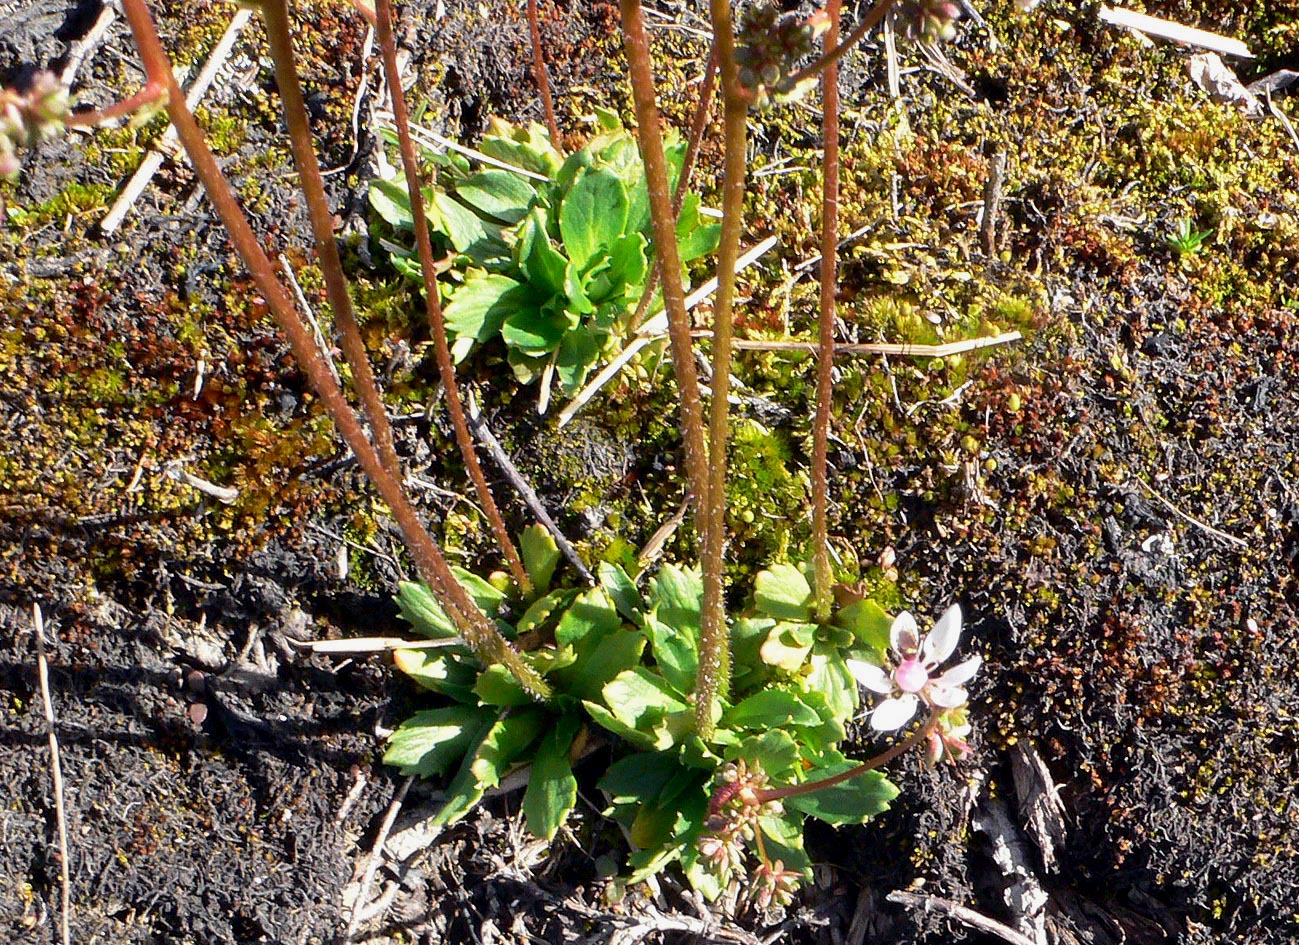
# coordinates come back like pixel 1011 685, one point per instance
pixel 904 635
pixel 959 674
pixel 870 676
pixel 941 641
pixel 947 698
pixel 894 713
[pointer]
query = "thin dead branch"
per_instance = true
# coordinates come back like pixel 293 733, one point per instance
pixel 962 914
pixel 56 773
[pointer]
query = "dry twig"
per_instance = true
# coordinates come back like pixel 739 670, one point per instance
pixel 56 771
pixel 374 858
pixel 153 160
pixel 962 914
pixel 1232 539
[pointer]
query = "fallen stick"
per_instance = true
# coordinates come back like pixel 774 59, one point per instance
pixel 525 490
pixel 82 48
pixel 879 348
pixel 1232 539
pixel 962 914
pixel 153 160
pixel 375 858
pixel 651 331
pixel 56 771
pixel 1167 29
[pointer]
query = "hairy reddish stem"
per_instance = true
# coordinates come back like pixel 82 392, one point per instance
pixel 714 642
pixel 541 77
pixel 151 93
pixel 432 566
pixel 433 303
pixel 864 26
pixel 883 758
pixel 650 138
pixel 275 13
pixel 825 360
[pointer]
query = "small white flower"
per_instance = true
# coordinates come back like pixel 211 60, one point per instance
pixel 908 678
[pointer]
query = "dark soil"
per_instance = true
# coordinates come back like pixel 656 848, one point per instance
pixel 223 786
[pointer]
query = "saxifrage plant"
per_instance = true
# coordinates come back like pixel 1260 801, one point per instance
pixel 729 727
pixel 622 665
pixel 550 254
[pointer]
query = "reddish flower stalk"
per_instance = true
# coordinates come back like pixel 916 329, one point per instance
pixel 919 736
pixel 650 138
pixel 433 303
pixel 432 566
pixel 714 640
pixel 275 13
pixel 864 26
pixel 541 77
pixel 825 359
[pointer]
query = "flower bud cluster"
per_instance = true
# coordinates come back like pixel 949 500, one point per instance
pixel 774 885
pixel 927 21
pixel 27 119
pixel 949 740
pixel 733 813
pixel 769 46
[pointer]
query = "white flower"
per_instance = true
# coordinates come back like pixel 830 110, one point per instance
pixel 908 678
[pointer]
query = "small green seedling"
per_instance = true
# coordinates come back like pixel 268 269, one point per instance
pixel 1186 240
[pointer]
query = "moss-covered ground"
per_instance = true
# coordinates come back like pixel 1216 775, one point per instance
pixel 1113 499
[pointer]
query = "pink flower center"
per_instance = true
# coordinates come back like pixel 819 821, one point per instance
pixel 911 675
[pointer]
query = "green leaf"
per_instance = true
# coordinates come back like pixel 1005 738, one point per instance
pixel 552 789
pixel 676 651
pixel 544 266
pixel 748 671
pixel 642 702
pixel 694 237
pixel 638 778
pixel 463 794
pixel 391 201
pixel 535 333
pixel 852 802
pixel 544 609
pixel 540 556
pixel 829 732
pixel 677 594
pixel 607 720
pixel 479 239
pixel 496 685
pixel 868 622
pixel 782 591
pixel 622 589
pixel 783 840
pixel 592 614
pixel 787 645
pixel 429 742
pixel 830 677
pixel 479 307
pixel 487 597
pixel 575 291
pixel 772 708
pixel 527 146
pixel 450 674
pixel 776 751
pixel 498 194
pixel 422 610
pixel 613 655
pixel 627 262
pixel 592 216
pixel 639 694
pixel 578 353
pixel 551 659
pixel 505 743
